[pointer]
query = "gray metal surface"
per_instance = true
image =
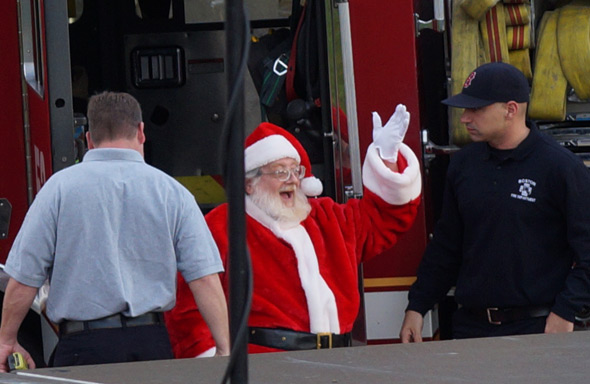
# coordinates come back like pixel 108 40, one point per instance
pixel 532 359
pixel 186 139
pixel 59 79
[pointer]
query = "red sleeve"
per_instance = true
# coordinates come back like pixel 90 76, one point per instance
pixel 382 223
pixel 188 331
pixel 189 334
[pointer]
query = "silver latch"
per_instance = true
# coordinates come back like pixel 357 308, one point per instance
pixel 437 24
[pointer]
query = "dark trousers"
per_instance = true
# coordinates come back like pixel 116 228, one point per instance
pixel 113 345
pixel 465 326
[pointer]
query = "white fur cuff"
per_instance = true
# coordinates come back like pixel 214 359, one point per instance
pixel 395 188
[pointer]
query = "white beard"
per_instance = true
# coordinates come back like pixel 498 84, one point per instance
pixel 273 206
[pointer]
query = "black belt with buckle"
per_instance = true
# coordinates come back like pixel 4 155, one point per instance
pixel 115 321
pixel 292 340
pixel 500 316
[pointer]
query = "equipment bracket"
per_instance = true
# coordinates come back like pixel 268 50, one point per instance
pixel 437 24
pixel 5 211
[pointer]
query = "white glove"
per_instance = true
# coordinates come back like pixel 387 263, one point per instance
pixel 388 138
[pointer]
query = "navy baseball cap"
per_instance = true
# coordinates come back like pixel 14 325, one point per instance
pixel 491 83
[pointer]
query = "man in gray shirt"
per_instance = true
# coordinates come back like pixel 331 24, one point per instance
pixel 110 234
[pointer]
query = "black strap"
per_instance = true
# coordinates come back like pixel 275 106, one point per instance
pixel 291 340
pixel 500 316
pixel 273 79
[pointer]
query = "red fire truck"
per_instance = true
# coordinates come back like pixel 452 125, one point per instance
pixel 353 57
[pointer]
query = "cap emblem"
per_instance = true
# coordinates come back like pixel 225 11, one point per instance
pixel 469 80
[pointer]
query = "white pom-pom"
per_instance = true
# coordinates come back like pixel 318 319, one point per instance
pixel 312 186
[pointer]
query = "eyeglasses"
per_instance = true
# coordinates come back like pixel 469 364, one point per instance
pixel 285 174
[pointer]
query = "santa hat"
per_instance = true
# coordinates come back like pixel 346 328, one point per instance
pixel 269 143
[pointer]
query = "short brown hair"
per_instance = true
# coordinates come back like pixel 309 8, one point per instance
pixel 112 116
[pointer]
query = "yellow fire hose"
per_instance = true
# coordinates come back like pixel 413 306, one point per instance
pixel 477 9
pixel 518 37
pixel 493 33
pixel 573 45
pixel 517 14
pixel 548 92
pixel 521 59
pixel 563 56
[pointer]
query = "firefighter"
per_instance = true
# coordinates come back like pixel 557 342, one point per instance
pixel 513 236
pixel 306 252
pixel 111 233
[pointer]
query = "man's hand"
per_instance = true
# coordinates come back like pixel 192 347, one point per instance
pixel 17 301
pixel 411 331
pixel 388 138
pixel 557 324
pixel 7 350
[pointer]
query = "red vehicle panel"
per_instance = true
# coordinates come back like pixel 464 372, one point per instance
pixel 12 144
pixel 384 48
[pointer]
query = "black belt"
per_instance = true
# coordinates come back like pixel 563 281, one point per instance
pixel 114 321
pixel 500 316
pixel 292 340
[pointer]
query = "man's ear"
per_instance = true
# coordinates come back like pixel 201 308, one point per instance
pixel 249 187
pixel 141 133
pixel 89 141
pixel 512 108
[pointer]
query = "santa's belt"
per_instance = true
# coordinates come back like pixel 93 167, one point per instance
pixel 291 340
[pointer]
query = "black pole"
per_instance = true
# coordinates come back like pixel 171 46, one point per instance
pixel 238 267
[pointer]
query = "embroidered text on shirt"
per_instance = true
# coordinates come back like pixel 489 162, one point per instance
pixel 525 190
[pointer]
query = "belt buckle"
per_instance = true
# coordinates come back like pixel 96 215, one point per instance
pixel 489 313
pixel 319 339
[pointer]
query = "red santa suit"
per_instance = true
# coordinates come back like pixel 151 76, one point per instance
pixel 305 276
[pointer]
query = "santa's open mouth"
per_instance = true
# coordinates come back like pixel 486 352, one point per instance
pixel 287 195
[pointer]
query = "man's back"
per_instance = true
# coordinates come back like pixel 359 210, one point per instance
pixel 116 220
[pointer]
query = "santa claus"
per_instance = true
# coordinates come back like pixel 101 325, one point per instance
pixel 306 251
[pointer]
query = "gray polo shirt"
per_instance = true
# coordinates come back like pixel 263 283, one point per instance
pixel 110 234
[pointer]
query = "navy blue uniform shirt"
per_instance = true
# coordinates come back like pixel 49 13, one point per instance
pixel 514 230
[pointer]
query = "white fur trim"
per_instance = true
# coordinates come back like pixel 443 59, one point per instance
pixel 267 150
pixel 208 353
pixel 395 188
pixel 321 302
pixel 312 186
